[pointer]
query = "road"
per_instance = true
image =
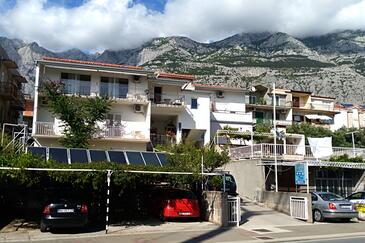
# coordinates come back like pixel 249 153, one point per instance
pixel 360 239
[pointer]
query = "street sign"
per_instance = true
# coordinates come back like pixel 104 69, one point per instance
pixel 301 174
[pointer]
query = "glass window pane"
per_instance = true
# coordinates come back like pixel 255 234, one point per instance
pixel 163 158
pixel 79 156
pixel 135 158
pixel 121 88
pixel 38 151
pixel 194 103
pixel 58 154
pixel 117 157
pixel 97 156
pixel 151 159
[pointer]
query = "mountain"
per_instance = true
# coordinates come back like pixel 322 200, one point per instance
pixel 331 64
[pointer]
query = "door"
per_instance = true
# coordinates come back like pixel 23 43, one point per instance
pixel 259 117
pixel 296 101
pixel 157 94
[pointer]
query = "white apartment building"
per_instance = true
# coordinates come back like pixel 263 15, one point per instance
pixel 348 116
pixel 148 108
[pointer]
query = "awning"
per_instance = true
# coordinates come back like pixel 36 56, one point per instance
pixel 318 117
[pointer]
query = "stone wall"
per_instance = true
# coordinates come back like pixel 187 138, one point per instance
pixel 215 208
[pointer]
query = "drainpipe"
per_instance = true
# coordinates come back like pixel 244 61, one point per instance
pixel 35 107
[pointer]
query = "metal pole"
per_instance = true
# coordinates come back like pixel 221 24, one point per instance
pixel 224 182
pixel 307 177
pixel 202 171
pixel 353 143
pixel 251 143
pixel 275 156
pixel 109 174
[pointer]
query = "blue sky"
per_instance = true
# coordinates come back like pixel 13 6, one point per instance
pixel 96 25
pixel 156 5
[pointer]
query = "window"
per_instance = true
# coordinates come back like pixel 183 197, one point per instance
pixel 355 196
pixel 252 99
pixel 298 118
pixel 113 87
pixel 194 103
pixel 314 198
pixel 76 83
pixel 113 120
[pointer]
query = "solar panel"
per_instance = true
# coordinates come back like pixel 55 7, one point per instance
pixel 135 158
pixel 38 151
pixel 151 158
pixel 58 154
pixel 163 158
pixel 79 156
pixel 98 156
pixel 117 157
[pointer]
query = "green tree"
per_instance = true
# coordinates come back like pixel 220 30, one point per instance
pixel 79 114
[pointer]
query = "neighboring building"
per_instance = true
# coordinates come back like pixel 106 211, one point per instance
pixel 316 110
pixel 149 107
pixel 260 102
pixel 11 96
pixel 348 116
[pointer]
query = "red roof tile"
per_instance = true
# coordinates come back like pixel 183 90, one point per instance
pixel 90 63
pixel 216 87
pixel 176 76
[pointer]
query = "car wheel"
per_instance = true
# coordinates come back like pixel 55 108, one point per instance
pixel 317 215
pixel 43 227
pixel 161 216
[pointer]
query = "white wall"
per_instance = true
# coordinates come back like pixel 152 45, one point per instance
pixel 232 101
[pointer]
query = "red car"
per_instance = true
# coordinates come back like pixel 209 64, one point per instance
pixel 175 203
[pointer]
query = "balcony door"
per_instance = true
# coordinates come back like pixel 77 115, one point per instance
pixel 113 87
pixel 114 125
pixel 296 101
pixel 157 94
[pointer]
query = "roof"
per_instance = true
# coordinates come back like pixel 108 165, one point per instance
pixel 102 64
pixel 323 97
pixel 217 87
pixel 175 76
pixel 300 91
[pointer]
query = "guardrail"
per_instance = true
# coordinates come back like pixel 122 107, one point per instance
pixel 299 207
pixel 265 150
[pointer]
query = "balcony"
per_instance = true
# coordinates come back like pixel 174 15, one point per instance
pixel 49 129
pixel 167 103
pixel 270 121
pixel 162 139
pixel 76 87
pixel 120 133
pixel 45 129
pixel 321 107
pixel 268 103
pixel 287 152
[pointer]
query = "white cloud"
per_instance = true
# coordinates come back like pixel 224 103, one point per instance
pixel 115 24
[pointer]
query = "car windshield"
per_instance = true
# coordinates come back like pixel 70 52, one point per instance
pixel 181 195
pixel 330 197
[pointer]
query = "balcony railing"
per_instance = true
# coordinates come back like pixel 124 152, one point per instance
pixel 45 128
pixel 162 139
pixel 322 107
pixel 270 121
pixel 168 99
pixel 77 87
pixel 292 152
pixel 262 101
pixel 119 132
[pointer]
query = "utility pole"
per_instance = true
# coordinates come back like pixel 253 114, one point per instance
pixel 353 141
pixel 275 155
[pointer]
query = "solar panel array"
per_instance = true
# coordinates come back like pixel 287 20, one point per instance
pixel 69 156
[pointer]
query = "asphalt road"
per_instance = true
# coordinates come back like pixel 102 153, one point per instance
pixel 360 239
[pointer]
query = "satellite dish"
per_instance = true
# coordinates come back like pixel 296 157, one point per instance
pixel 253 89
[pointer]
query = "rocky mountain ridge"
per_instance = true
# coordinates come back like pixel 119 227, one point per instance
pixel 331 65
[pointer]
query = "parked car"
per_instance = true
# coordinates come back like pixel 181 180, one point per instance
pixel 326 205
pixel 357 197
pixel 170 203
pixel 64 213
pixel 231 187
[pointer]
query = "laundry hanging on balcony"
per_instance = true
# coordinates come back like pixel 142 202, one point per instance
pixel 321 147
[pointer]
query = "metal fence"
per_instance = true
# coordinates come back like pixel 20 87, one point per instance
pixel 234 210
pixel 299 207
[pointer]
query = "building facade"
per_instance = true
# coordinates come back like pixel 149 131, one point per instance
pixel 149 108
pixel 11 95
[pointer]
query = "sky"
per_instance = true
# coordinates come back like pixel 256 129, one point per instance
pixel 95 25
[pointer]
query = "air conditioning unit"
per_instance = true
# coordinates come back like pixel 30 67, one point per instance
pixel 220 94
pixel 138 108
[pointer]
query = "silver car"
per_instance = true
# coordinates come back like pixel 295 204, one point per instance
pixel 326 205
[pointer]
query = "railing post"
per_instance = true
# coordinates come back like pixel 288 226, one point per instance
pixel 262 151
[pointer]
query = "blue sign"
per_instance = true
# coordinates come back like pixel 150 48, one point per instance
pixel 301 174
